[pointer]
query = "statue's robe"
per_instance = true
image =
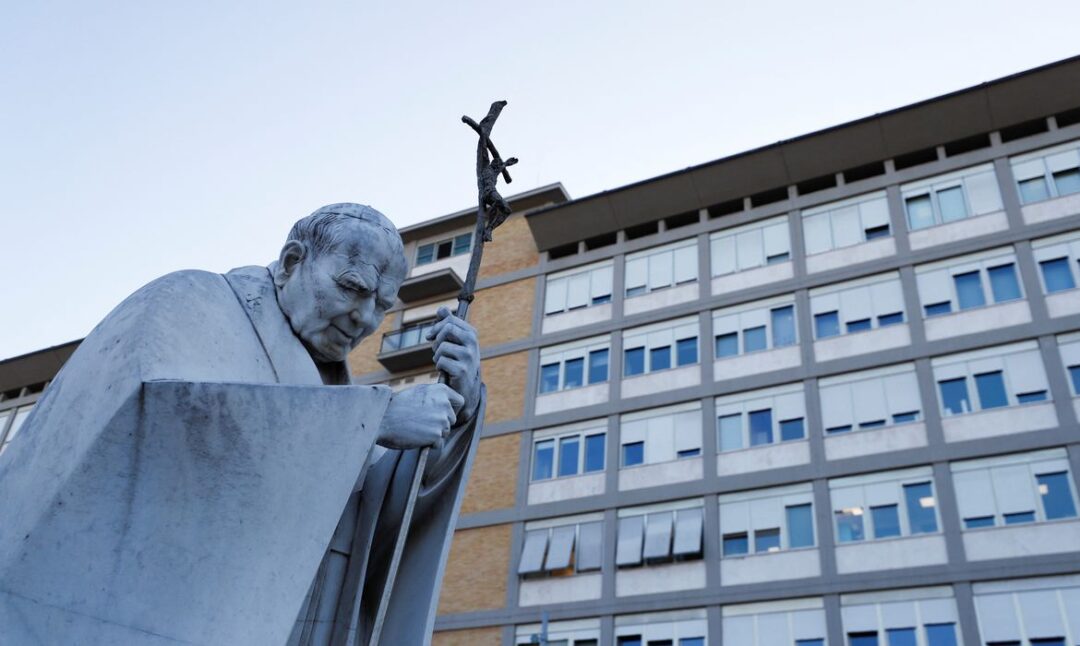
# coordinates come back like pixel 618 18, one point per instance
pixel 182 478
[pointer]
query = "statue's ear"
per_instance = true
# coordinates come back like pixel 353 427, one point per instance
pixel 292 254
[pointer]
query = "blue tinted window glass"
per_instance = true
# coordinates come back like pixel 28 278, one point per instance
pixel 688 453
pixel 826 324
pixel 862 639
pixel 874 233
pixel 900 637
pixel 920 212
pixel 838 429
pixel 761 427
pixel 660 358
pixel 600 300
pixel 777 258
pixel 549 378
pixel 1074 377
pixel 979 521
pixel 689 641
pixel 969 291
pixel 991 387
pixel 951 203
pixel 954 396
pixel 425 254
pixel 860 325
pixel 904 418
pixel 634 361
pixel 809 642
pixel 792 429
pixel 1067 182
pixel 783 326
pixel 890 319
pixel 1027 398
pixel 731 436
pixel 594 452
pixel 462 244
pixel 1056 275
pixel 635 291
pixel 543 459
pixel 633 454
pixel 921 506
pixel 876 423
pixel 686 351
pixel 569 447
pixel 766 540
pixel 849 525
pixel 1034 190
pixel 736 544
pixel 727 345
pixel 1056 495
pixel 573 373
pixel 886 521
pixel 1046 641
pixel 633 640
pixel 598 366
pixel 1003 283
pixel 800 524
pixel 940 635
pixel 937 309
pixel 1019 517
pixel 753 339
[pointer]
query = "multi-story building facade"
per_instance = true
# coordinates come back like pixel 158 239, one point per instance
pixel 822 392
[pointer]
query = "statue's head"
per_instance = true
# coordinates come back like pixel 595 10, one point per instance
pixel 338 273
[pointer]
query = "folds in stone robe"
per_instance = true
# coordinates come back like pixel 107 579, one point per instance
pixel 181 478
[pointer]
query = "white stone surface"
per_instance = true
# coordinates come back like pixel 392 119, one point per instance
pixel 1063 303
pixel 1051 209
pixel 653 475
pixel 978 319
pixel 561 589
pixel 741 280
pixel 891 554
pixel 660 299
pixel 1014 541
pixel 849 345
pixel 575 318
pixel 543 491
pixel 761 458
pixel 960 230
pixel 756 363
pixel 875 440
pixel 661 380
pixel 999 421
pixel 771 566
pixel 571 398
pixel 655 579
pixel 853 255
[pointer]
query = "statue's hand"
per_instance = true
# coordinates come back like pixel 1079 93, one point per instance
pixel 420 416
pixel 457 353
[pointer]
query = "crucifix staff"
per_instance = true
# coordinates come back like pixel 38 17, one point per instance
pixel 491 211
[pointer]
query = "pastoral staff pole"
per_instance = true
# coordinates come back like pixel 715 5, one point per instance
pixel 491 211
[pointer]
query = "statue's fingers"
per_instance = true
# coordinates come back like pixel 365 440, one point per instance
pixel 451 350
pixel 454 329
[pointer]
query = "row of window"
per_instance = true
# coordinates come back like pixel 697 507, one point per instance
pixel 11 420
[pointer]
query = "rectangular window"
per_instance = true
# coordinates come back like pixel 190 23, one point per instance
pixel 633 454
pixel 978 521
pixel 660 358
pixel 549 378
pixel 849 525
pixel 1034 190
pixel 991 387
pixel 634 362
pixel 749 247
pixel 1067 182
pixel 969 291
pixel 425 254
pixel 919 499
pixel 462 244
pixel 890 319
pixel 1056 275
pixel 736 544
pixel 792 429
pixel 543 459
pixel 862 639
pixel 954 396
pixel 686 351
pixel 900 637
pixel 573 373
pixel 827 324
pixel 937 309
pixel 766 540
pixel 783 326
pixel 800 525
pixel 661 267
pixel 569 448
pixel 1074 377
pixel 905 418
pixel 594 452
pixel 1056 495
pixel 578 288
pixel 761 427
pixel 886 521
pixel 941 635
pixel 920 212
pixel 754 339
pixel 598 366
pixel 1019 518
pixel 861 325
pixel 951 204
pixel 1003 283
pixel 881 231
pixel 731 436
pixel 727 345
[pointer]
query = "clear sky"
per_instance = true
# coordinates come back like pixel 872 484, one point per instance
pixel 138 138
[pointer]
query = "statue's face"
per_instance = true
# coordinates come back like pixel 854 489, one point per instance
pixel 336 298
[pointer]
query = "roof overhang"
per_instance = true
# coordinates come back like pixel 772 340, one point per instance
pixel 35 367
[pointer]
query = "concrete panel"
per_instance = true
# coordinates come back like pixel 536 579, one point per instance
pixel 1076 407
pixel 573 398
pixel 848 256
pixel 979 319
pixel 756 362
pixel 773 566
pixel 1051 209
pixel 660 299
pixel 653 475
pixel 959 230
pixel 656 382
pixel 761 458
pixel 999 421
pixel 590 484
pixel 460 265
pixel 1063 303
pixel 752 278
pixel 654 579
pixel 879 440
pixel 576 318
pixel 1022 540
pixel 849 345
pixel 891 554
pixel 580 587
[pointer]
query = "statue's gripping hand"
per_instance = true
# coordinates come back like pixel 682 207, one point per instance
pixel 457 353
pixel 420 416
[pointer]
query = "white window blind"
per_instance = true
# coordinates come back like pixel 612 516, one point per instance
pixel 750 246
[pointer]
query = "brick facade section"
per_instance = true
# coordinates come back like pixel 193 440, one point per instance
pixel 470 637
pixel 504 313
pixel 505 379
pixel 512 248
pixel 493 480
pixel 362 359
pixel 475 576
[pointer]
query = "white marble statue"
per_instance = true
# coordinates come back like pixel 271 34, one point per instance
pixel 203 472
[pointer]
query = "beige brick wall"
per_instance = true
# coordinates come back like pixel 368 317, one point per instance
pixel 475 576
pixel 362 359
pixel 504 313
pixel 512 248
pixel 471 637
pixel 505 379
pixel 493 480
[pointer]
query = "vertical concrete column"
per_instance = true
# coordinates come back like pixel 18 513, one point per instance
pixel 607 629
pixel 521 498
pixel 618 285
pixel 1010 198
pixel 1060 391
pixel 715 620
pixel 607 567
pixel 517 541
pixel 965 612
pixel 705 346
pixel 897 219
pixel 826 539
pixel 611 456
pixel 615 367
pixel 711 542
pixel 804 324
pixel 834 623
pixel 531 378
pixel 1029 278
pixel 815 429
pixel 949 512
pixel 508 635
pixel 798 247
pixel 709 448
pixel 912 306
pixel 935 436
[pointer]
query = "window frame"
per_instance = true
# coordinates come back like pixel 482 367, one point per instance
pixel 872 487
pixel 581 434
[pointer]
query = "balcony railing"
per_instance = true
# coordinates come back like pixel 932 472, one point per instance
pixel 406 338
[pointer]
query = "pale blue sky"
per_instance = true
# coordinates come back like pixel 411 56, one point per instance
pixel 137 138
